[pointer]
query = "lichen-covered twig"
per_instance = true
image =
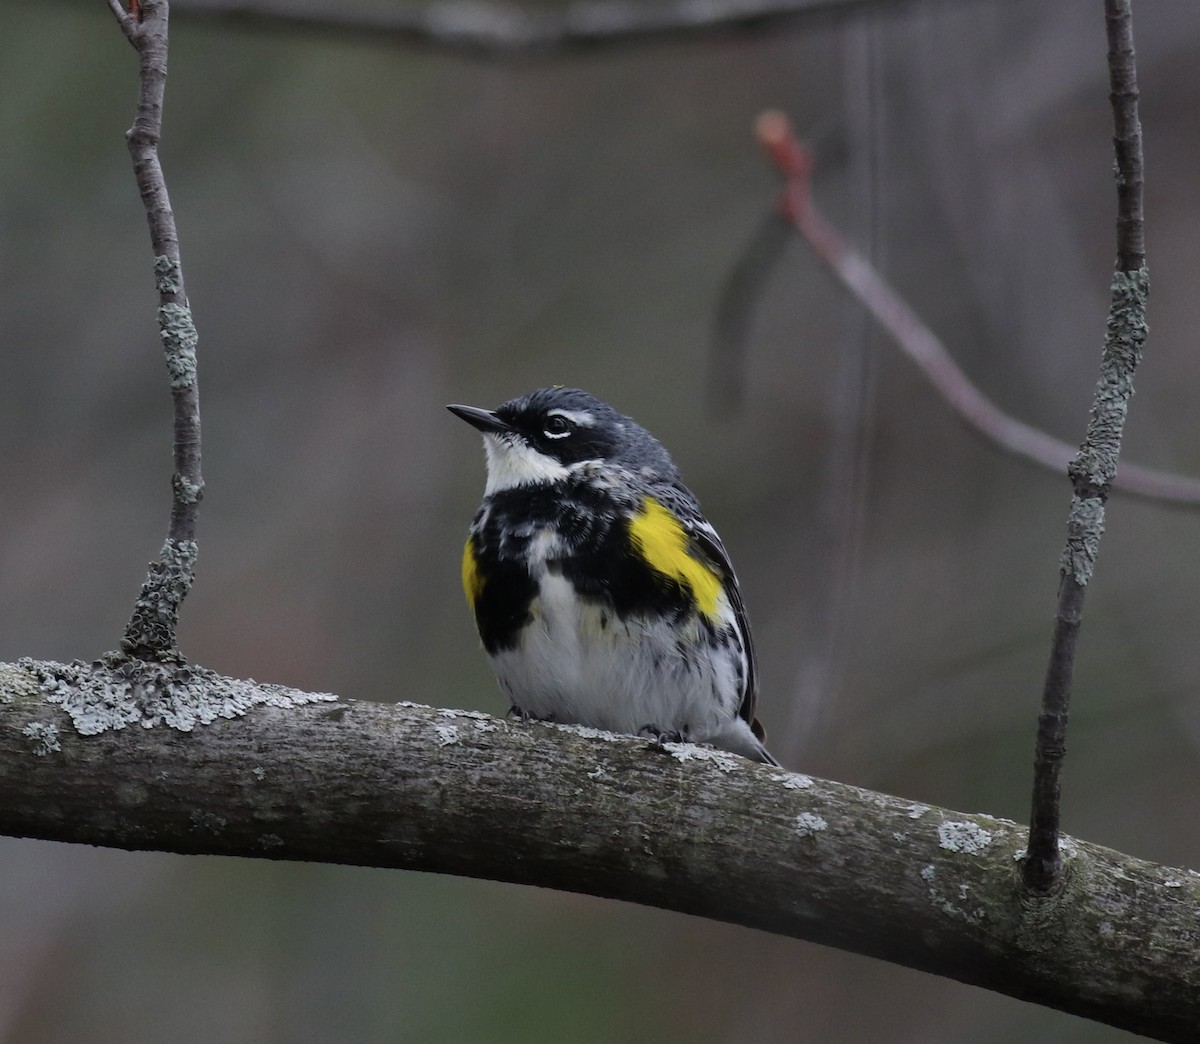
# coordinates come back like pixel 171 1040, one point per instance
pixel 151 630
pixel 509 30
pixel 793 159
pixel 1095 466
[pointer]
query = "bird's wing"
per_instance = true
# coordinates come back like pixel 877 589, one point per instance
pixel 708 548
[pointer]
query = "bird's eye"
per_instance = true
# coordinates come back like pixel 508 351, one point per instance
pixel 557 427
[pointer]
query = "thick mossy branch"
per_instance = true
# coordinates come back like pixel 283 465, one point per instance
pixel 679 827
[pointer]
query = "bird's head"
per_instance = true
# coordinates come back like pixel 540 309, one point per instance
pixel 541 437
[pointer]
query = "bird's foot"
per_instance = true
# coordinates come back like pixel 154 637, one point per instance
pixel 524 716
pixel 661 737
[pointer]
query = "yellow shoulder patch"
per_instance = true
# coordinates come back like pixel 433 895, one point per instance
pixel 471 580
pixel 662 541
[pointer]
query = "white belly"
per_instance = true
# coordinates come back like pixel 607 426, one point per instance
pixel 578 663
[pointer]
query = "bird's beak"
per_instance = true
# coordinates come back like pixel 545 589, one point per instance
pixel 485 420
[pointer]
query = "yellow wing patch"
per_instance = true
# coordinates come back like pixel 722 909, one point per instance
pixel 663 543
pixel 471 580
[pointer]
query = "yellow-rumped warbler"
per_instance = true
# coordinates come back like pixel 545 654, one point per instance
pixel 602 594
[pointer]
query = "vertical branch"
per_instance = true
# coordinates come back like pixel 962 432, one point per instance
pixel 151 630
pixel 1095 466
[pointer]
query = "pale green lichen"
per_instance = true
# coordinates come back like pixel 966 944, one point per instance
pixel 586 731
pixel 447 735
pixel 722 760
pixel 963 836
pixel 179 340
pixel 1123 342
pixel 156 612
pixel 15 682
pixel 100 696
pixel 44 735
pixel 186 492
pixel 179 556
pixel 809 823
pixel 1085 527
pixel 168 276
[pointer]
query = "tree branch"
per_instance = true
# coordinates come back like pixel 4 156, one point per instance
pixel 150 633
pixel 682 827
pixel 499 30
pixel 793 159
pixel 1095 466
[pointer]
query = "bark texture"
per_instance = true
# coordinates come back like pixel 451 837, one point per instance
pixel 681 827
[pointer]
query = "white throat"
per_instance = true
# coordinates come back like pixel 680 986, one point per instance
pixel 512 462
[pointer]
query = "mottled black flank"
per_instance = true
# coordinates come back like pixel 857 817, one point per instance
pixel 502 608
pixel 614 437
pixel 599 559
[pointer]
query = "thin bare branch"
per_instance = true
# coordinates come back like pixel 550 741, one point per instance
pixel 151 630
pixel 1127 135
pixel 499 30
pixel 1095 466
pixel 124 19
pixel 794 161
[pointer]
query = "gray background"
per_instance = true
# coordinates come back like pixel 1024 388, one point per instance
pixel 369 233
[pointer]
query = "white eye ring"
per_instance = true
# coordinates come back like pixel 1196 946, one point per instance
pixel 552 434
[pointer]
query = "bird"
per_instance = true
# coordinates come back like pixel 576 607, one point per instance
pixel 602 595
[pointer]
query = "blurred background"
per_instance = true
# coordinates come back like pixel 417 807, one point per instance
pixel 370 232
